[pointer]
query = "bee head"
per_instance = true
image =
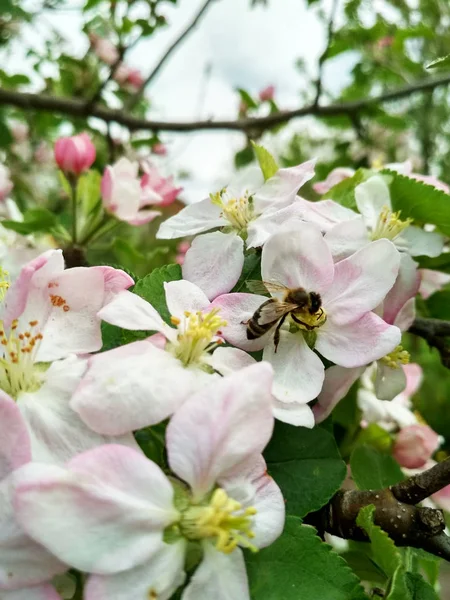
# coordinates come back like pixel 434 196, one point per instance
pixel 315 302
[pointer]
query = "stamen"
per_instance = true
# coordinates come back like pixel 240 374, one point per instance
pixel 389 225
pixel 396 358
pixel 238 211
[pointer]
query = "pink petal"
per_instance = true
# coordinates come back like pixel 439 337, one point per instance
pixel 15 448
pixel 337 383
pixel 299 372
pixel 236 309
pixel 115 281
pixel 298 257
pixel 432 281
pixel 144 216
pixel 220 426
pixel 40 592
pixel 211 254
pixel 193 219
pixel 361 281
pixel 107 494
pixel 405 287
pixel 359 343
pixel 182 296
pixel 333 178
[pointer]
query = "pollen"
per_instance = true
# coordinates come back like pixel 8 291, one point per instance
pixel 4 283
pixel 223 520
pixel 396 358
pixel 239 212
pixel 389 225
pixel 175 320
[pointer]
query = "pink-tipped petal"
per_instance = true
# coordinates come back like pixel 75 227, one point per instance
pixel 337 383
pixel 405 287
pixel 15 448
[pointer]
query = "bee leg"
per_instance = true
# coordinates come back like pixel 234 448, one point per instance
pixel 276 337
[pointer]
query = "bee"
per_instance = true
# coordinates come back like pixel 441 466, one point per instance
pixel 295 302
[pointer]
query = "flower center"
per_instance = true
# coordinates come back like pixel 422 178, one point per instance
pixel 238 211
pixel 389 225
pixel 396 358
pixel 223 519
pixel 306 321
pixel 197 335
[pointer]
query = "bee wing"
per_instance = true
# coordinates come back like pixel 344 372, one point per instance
pixel 264 287
pixel 272 311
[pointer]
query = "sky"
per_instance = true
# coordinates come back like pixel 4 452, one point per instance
pixel 240 47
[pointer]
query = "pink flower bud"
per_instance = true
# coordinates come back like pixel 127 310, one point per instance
pixel 5 183
pixel 183 247
pixel 267 93
pixel 135 79
pixel 75 154
pixel 104 49
pixel 159 149
pixel 415 445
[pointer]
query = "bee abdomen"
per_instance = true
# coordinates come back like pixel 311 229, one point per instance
pixel 255 330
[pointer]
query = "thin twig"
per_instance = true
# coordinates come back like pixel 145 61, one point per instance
pixel 77 108
pixel 323 57
pixel 136 97
pixel 421 486
pixel 436 333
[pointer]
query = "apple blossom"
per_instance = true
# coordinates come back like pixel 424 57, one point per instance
pixel 267 93
pixel 249 210
pixel 343 330
pixel 144 382
pixel 46 316
pixel 104 49
pixel 414 445
pixel 25 566
pixel 158 189
pixel 432 281
pixel 333 178
pixel 6 184
pixel 122 194
pixel 221 500
pixel 75 154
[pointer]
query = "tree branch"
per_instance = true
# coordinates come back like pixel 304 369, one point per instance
pixel 77 108
pixel 435 332
pixel 135 99
pixel 418 487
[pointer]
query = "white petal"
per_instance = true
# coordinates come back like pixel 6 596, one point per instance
pixel 228 360
pixel 298 257
pixel 405 287
pixel 220 426
pixel 246 181
pixel 40 592
pixel 134 386
pixel 346 238
pixel 299 415
pixel 107 494
pixel 338 381
pixel 389 382
pixel 193 219
pixel 299 372
pixel 423 243
pixel 162 576
pixel 268 223
pixel 326 213
pixel 15 448
pixel 219 576
pixel 406 315
pixel 371 197
pixel 362 281
pixel 182 296
pixel 130 311
pixel 214 262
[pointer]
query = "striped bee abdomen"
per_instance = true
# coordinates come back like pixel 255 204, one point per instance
pixel 255 329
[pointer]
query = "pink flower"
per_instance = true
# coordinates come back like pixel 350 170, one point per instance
pixel 123 196
pixel 6 184
pixel 333 178
pixel 25 566
pixel 104 49
pixel 214 446
pixel 75 154
pixel 431 282
pixel 182 248
pixel 159 149
pixel 158 189
pixel 442 498
pixel 135 78
pixel 142 383
pixel 415 445
pixel 267 93
pixel 344 330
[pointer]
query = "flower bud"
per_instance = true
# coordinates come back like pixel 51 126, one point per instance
pixel 104 49
pixel 415 445
pixel 75 154
pixel 159 149
pixel 135 79
pixel 6 184
pixel 267 93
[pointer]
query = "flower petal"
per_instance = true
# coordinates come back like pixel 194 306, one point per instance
pixel 359 343
pixel 293 413
pixel 361 281
pixel 389 382
pixel 423 243
pixel 182 296
pixel 133 386
pixel 347 237
pixel 107 494
pixel 237 309
pixel 193 219
pixel 219 576
pixel 228 360
pixel 39 592
pixel 371 197
pixel 211 254
pixel 15 448
pixel 115 281
pixel 299 372
pixel 161 576
pixel 298 257
pixel 268 223
pixel 337 383
pixel 220 426
pixel 405 287
pixel 143 216
pixel 326 213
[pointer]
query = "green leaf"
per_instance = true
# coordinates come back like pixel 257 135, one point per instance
pixel 307 466
pixel 152 442
pixel 65 184
pixel 419 201
pixel 266 161
pixel 419 589
pixel 372 470
pixel 344 191
pixel 244 157
pixel 299 566
pixel 440 63
pixel 34 220
pixel 364 566
pixel 88 190
pixel 398 589
pixel 247 99
pixel 250 271
pixel 438 305
pixel 151 287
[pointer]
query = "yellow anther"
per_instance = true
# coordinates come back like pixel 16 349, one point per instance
pixel 175 320
pixel 396 358
pixel 389 225
pixel 237 211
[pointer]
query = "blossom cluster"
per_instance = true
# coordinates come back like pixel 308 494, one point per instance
pixel 335 291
